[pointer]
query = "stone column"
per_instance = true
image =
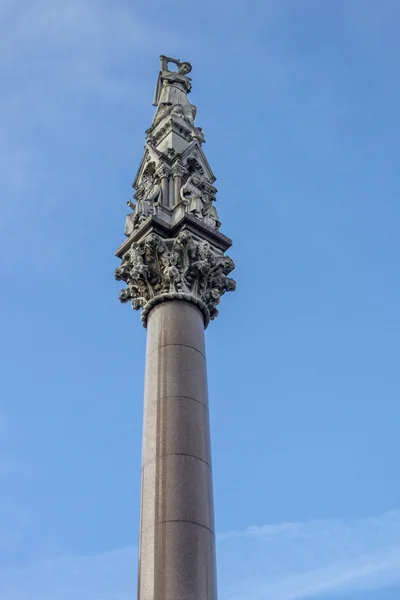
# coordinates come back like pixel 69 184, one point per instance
pixel 176 543
pixel 163 173
pixel 177 172
pixel 176 271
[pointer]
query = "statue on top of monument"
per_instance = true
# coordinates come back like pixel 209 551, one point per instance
pixel 173 87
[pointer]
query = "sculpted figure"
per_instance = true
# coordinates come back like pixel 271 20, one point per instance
pixel 152 192
pixel 193 197
pixel 198 203
pixel 177 111
pixel 189 113
pixel 172 86
pixel 163 111
pixel 211 217
pixel 171 271
pixel 145 206
pixel 197 134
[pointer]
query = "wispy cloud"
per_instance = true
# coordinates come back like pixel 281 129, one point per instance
pixel 294 561
pixel 289 561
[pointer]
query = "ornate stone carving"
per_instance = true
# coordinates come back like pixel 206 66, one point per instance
pixel 174 178
pixel 186 112
pixel 148 198
pixel 172 103
pixel 172 86
pixel 197 134
pixel 178 170
pixel 194 166
pixel 163 170
pixel 211 215
pixel 197 196
pixel 156 270
pixel 149 189
pixel 192 196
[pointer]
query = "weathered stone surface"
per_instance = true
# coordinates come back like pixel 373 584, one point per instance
pixel 174 172
pixel 158 270
pixel 172 87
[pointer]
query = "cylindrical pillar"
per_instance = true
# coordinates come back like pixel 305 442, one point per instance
pixel 165 189
pixel 177 172
pixel 177 189
pixel 176 540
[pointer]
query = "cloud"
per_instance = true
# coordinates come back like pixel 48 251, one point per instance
pixel 294 561
pixel 288 561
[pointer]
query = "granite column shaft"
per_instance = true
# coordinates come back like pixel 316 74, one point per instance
pixel 176 539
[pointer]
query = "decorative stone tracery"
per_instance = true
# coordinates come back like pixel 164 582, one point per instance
pixel 173 157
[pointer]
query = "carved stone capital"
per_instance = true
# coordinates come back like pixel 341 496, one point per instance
pixel 163 171
pixel 178 170
pixel 156 270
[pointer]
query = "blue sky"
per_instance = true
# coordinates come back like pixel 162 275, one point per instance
pixel 299 102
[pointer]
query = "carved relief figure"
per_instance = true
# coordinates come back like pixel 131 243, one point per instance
pixel 211 215
pixel 193 197
pixel 189 113
pixel 177 111
pixel 148 198
pixel 198 202
pixel 151 189
pixel 197 134
pixel 186 113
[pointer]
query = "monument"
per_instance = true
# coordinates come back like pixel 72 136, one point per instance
pixel 175 270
